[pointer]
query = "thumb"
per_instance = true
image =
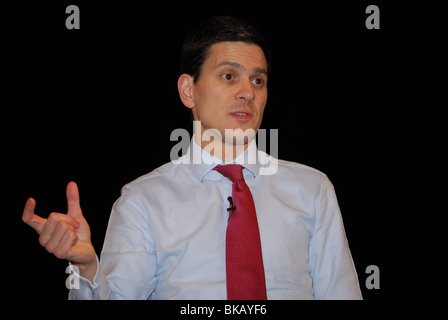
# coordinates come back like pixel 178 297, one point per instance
pixel 73 206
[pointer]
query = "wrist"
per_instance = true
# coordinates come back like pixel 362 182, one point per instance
pixel 87 270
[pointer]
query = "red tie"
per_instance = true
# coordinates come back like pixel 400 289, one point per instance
pixel 244 260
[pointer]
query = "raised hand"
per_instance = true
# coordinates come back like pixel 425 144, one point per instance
pixel 67 236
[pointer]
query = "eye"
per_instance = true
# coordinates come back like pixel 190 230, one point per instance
pixel 258 81
pixel 227 76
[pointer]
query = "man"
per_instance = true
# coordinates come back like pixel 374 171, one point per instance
pixel 198 230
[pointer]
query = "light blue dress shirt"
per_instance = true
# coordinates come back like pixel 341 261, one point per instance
pixel 166 233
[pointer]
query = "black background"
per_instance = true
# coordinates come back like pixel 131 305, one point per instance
pixel 97 106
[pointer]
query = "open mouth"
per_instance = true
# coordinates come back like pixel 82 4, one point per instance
pixel 241 115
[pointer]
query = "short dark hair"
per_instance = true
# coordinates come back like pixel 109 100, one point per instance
pixel 197 44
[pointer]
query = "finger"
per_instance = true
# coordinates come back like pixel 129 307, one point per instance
pixel 55 222
pixel 63 250
pixel 73 206
pixel 58 234
pixel 28 216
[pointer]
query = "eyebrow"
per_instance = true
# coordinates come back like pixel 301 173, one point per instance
pixel 257 70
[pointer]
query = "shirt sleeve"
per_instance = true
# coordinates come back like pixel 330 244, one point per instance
pixel 86 290
pixel 128 262
pixel 332 268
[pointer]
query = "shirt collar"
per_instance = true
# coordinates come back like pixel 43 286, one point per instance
pixel 202 163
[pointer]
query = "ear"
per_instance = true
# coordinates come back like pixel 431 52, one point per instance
pixel 185 85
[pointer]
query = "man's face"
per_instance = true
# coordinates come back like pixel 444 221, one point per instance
pixel 231 91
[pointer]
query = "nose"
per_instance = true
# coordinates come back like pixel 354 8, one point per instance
pixel 246 92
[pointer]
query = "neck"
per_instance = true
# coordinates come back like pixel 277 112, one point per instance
pixel 222 150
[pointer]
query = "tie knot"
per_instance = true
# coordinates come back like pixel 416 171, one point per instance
pixel 232 171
